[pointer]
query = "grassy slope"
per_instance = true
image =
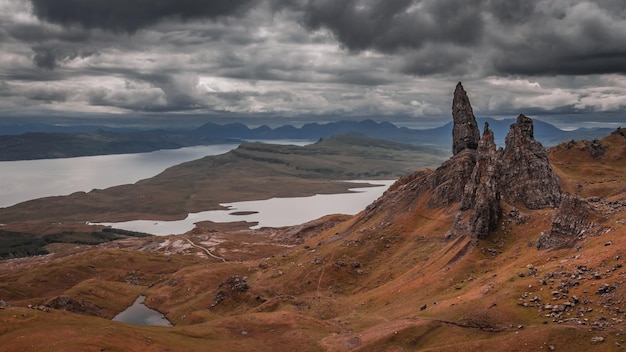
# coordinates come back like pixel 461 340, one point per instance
pixel 314 298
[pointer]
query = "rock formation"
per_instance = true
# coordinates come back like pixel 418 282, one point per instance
pixel 570 223
pixel 480 210
pixel 448 181
pixel 520 173
pixel 527 176
pixel 69 304
pixel 465 134
pixel 479 177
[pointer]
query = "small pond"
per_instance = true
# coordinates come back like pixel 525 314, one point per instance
pixel 140 314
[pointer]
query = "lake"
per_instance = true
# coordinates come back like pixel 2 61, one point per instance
pixel 29 179
pixel 274 212
pixel 139 314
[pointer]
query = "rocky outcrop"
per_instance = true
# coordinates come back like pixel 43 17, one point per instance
pixel 595 148
pixel 71 305
pixel 519 174
pixel 465 134
pixel 570 223
pixel 481 178
pixel 619 132
pixel 480 210
pixel 448 181
pixel 527 176
pixel 233 287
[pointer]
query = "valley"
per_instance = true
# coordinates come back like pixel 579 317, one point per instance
pixel 517 249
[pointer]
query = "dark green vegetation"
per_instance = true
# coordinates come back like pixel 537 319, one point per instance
pixel 20 244
pixel 252 171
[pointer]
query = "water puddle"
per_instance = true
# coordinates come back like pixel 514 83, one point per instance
pixel 140 314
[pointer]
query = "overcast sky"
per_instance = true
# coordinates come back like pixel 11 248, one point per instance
pixel 564 60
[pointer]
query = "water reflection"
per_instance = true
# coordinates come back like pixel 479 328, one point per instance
pixel 139 314
pixel 275 212
pixel 30 179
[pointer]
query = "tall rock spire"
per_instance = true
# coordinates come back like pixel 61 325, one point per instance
pixel 465 134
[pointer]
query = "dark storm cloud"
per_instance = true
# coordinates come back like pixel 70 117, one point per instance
pixel 49 56
pixel 389 25
pixel 295 57
pixel 30 33
pixel 512 11
pixel 131 15
pixel 587 38
pixel 528 37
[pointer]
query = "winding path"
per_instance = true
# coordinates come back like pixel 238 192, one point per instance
pixel 206 250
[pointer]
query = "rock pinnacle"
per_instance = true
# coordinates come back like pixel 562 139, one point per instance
pixel 465 134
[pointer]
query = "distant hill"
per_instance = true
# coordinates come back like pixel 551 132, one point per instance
pixel 47 145
pixel 546 133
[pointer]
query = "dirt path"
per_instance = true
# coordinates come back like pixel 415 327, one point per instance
pixel 206 250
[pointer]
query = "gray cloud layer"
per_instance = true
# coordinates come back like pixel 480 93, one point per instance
pixel 291 57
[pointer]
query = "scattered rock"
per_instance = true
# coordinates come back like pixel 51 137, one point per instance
pixel 595 148
pixel 605 288
pixel 597 339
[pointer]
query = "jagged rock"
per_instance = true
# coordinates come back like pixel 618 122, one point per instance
pixel 483 193
pixel 448 181
pixel 527 176
pixel 595 148
pixel 465 134
pixel 480 210
pixel 234 285
pixel 570 223
pixel 619 132
pixel 71 305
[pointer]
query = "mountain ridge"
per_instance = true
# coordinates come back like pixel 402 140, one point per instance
pixel 42 145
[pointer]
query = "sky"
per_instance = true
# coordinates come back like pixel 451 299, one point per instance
pixel 563 61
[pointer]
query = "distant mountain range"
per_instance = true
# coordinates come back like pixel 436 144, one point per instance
pixel 59 142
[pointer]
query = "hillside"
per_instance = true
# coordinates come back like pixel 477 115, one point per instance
pixel 252 171
pixel 465 256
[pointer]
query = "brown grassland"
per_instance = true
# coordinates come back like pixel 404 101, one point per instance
pixel 383 280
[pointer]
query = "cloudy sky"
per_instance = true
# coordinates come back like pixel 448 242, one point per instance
pixel 563 60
